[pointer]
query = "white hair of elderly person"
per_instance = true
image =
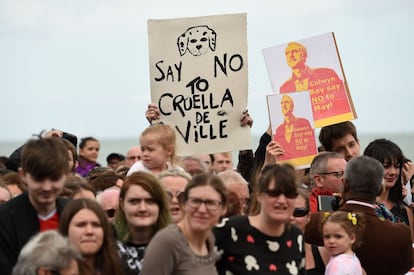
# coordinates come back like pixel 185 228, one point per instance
pixel 47 252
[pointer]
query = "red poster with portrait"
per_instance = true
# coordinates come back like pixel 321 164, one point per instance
pixel 313 65
pixel 291 121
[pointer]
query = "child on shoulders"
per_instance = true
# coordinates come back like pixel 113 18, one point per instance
pixel 158 150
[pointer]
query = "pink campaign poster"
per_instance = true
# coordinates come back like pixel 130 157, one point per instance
pixel 313 65
pixel 291 120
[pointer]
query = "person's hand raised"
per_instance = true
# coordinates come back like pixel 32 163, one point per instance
pixel 273 151
pixel 407 172
pixel 152 113
pixel 246 120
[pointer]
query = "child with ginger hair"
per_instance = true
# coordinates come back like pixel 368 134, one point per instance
pixel 158 143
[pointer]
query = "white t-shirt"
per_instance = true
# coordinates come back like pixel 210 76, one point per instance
pixel 139 166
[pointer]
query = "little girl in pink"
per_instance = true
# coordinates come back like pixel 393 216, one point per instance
pixel 341 234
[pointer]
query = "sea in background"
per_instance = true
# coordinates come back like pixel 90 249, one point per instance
pixel 405 141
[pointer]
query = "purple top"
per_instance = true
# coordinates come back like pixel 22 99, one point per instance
pixel 85 167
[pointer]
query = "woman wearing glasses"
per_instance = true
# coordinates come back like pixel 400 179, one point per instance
pixel 188 247
pixel 301 213
pixel 143 210
pixel 316 257
pixel 174 182
pixel 266 242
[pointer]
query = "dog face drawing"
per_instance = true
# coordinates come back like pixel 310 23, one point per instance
pixel 197 40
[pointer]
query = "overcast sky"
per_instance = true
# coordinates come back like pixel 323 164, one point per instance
pixel 82 66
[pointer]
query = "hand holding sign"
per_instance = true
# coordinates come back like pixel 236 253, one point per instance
pixel 152 113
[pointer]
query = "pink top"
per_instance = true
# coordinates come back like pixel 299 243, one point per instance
pixel 343 264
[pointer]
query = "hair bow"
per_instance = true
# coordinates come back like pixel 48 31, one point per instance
pixel 352 217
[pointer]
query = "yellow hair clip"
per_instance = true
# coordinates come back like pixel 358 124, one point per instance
pixel 352 218
pixel 326 215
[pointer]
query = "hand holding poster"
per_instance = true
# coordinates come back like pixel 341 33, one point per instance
pixel 292 127
pixel 313 65
pixel 198 71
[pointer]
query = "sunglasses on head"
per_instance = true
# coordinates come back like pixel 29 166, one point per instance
pixel 300 212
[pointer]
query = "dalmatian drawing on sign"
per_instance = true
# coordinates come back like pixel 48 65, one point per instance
pixel 197 40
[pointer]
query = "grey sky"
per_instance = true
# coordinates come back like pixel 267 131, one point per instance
pixel 82 66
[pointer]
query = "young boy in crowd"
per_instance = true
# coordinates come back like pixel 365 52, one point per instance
pixel 45 164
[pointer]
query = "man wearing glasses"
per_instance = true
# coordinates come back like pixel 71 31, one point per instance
pixel 326 172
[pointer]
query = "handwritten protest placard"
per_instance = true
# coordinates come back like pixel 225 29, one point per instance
pixel 291 120
pixel 313 65
pixel 199 80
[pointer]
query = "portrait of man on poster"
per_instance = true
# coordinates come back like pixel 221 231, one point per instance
pixel 294 134
pixel 312 64
pixel 304 77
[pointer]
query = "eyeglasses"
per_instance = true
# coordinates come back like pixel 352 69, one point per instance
pixel 300 212
pixel 110 213
pixel 276 193
pixel 211 205
pixel 337 174
pixel 179 195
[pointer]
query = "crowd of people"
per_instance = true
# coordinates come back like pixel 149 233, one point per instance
pixel 151 212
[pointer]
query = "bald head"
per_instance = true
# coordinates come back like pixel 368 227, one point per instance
pixel 133 155
pixel 109 200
